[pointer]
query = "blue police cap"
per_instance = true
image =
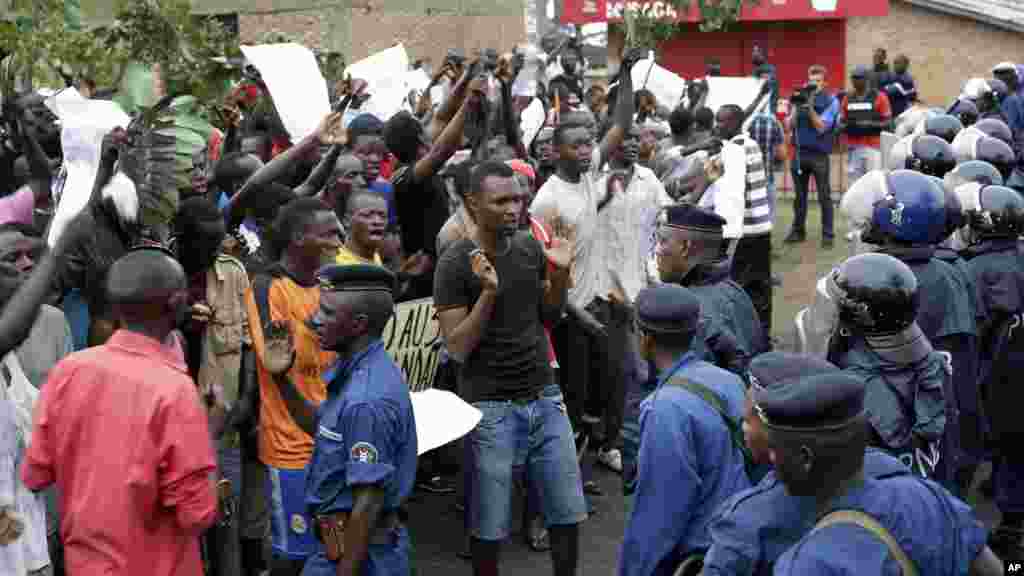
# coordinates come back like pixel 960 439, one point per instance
pixel 667 309
pixel 690 217
pixel 363 124
pixel 355 278
pixel 817 402
pixel 778 369
pixel 860 71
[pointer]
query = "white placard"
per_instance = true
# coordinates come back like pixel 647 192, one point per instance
pixel 531 120
pixel 295 83
pixel 667 86
pixel 84 123
pixel 385 74
pixel 740 91
pixel 441 417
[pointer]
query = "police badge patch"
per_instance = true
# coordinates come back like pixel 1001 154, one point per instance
pixel 363 452
pixel 298 524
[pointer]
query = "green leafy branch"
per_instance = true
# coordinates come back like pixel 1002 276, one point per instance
pixel 715 15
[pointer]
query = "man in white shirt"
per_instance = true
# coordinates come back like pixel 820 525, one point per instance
pixel 726 196
pixel 568 204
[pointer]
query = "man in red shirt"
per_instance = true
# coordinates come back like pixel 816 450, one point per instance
pixel 865 114
pixel 120 430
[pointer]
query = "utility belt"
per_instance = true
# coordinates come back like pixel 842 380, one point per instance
pixel 330 531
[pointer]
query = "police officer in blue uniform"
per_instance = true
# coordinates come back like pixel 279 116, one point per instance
pixel 908 224
pixel 691 454
pixel 364 454
pixel 817 430
pixel 754 527
pixel 996 262
pixel 877 339
pixel 691 252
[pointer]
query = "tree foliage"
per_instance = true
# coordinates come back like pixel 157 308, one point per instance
pixel 45 46
pixel 714 15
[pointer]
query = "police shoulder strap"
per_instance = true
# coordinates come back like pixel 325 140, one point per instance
pixel 718 405
pixel 868 523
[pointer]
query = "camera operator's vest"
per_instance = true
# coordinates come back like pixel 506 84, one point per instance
pixel 807 138
pixel 863 109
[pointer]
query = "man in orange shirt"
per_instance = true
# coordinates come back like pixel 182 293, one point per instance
pixel 865 114
pixel 120 430
pixel 309 235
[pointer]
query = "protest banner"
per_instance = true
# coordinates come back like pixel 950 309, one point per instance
pixel 296 85
pixel 84 123
pixel 413 339
pixel 667 86
pixel 386 76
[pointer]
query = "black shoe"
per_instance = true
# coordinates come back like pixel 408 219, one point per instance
pixel 827 242
pixel 1007 543
pixel 795 236
pixel 435 485
pixel 466 553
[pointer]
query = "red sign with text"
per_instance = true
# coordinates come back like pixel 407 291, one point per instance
pixel 588 11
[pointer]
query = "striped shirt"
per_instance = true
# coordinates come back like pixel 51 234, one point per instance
pixel 757 215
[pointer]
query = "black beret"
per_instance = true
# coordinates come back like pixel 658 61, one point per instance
pixel 690 217
pixel 667 309
pixel 778 369
pixel 814 403
pixel 356 278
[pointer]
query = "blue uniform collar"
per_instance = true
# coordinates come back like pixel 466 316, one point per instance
pixel 915 253
pixel 706 274
pixel 340 371
pixel 686 359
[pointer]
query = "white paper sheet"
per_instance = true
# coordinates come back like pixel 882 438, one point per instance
pixel 667 86
pixel 531 121
pixel 295 83
pixel 385 74
pixel 441 417
pixel 84 123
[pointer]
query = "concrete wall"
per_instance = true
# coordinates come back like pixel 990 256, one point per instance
pixel 944 50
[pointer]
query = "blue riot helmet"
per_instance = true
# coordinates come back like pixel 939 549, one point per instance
pixel 995 128
pixel 997 153
pixel 1000 213
pixel 998 89
pixel 955 217
pixel 912 212
pixel 944 126
pixel 973 171
pixel 966 111
pixel 930 155
pixel 874 293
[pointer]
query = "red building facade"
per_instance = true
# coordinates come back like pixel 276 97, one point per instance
pixel 794 33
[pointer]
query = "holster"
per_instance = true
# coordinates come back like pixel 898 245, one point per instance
pixel 330 529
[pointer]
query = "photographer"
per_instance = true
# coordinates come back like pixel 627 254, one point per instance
pixel 865 114
pixel 811 120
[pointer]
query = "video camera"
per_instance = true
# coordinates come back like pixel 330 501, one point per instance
pixel 803 95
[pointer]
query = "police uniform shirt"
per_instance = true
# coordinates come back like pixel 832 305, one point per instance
pixel 366 435
pixel 902 399
pixel 687 466
pixel 938 532
pixel 731 333
pixel 754 527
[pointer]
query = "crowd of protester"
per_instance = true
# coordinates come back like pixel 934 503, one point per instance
pixel 208 391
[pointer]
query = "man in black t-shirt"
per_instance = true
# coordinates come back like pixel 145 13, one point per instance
pixel 493 291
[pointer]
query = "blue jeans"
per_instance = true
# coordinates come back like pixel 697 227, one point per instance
pixel 535 435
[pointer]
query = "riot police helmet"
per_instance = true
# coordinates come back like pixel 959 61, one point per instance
pixel 930 155
pixel 1000 213
pixel 974 171
pixel 966 111
pixel 912 212
pixel 945 126
pixel 995 128
pixel 997 153
pixel 875 294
